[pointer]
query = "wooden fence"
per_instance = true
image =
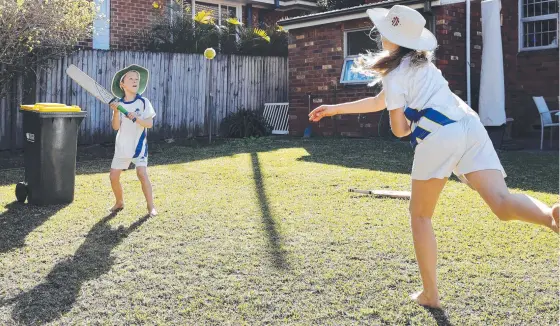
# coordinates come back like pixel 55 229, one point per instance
pixel 178 88
pixel 11 122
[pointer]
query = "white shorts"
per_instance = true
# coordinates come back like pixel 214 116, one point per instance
pixel 124 163
pixel 461 147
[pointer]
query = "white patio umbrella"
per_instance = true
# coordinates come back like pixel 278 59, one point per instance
pixel 491 107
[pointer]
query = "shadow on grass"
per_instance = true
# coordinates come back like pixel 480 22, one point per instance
pixel 369 154
pixel 50 300
pixel 20 220
pixel 97 159
pixel 439 316
pixel 274 237
pixel 526 171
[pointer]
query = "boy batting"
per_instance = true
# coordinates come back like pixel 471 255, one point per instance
pixel 131 144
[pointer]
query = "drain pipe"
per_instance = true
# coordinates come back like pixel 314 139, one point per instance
pixel 468 14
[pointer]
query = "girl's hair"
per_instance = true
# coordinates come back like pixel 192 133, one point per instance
pixel 380 64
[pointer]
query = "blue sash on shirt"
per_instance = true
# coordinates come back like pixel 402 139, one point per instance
pixel 143 136
pixel 420 133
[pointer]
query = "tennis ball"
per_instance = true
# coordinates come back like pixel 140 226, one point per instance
pixel 209 53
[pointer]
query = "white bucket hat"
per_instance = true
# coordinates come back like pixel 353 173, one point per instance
pixel 403 26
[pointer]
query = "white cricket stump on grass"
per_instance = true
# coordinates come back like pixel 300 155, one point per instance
pixel 209 99
pixel 383 193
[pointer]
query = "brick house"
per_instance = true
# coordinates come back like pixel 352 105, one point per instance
pixel 121 21
pixel 323 45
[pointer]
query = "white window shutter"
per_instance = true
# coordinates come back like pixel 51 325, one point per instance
pixel 102 25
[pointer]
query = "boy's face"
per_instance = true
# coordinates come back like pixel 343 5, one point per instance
pixel 130 82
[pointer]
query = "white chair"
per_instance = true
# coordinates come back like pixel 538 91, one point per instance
pixel 546 117
pixel 277 115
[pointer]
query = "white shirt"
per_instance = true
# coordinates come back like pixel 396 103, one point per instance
pixel 132 140
pixel 421 87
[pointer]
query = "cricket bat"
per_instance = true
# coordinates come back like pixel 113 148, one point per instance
pixel 92 87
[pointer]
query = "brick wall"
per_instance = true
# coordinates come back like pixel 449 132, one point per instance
pixel 316 59
pixel 451 54
pixel 527 74
pixel 315 63
pixel 86 44
pixel 128 19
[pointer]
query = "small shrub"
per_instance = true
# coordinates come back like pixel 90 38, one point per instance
pixel 175 30
pixel 33 33
pixel 245 123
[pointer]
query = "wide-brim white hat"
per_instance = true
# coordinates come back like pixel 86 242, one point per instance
pixel 403 26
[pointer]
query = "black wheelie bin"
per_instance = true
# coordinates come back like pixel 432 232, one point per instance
pixel 50 144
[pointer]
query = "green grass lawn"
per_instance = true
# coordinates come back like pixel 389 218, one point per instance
pixel 265 232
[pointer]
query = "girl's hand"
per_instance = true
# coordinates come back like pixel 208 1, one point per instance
pixel 114 106
pixel 322 111
pixel 131 116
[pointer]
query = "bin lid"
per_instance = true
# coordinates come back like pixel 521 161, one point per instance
pixel 51 107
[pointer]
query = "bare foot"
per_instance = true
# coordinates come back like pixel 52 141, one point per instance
pixel 117 208
pixel 152 212
pixel 555 216
pixel 425 301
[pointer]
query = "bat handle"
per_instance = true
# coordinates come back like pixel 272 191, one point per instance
pixel 125 112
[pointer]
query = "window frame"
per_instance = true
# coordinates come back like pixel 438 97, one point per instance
pixel 238 8
pixel 348 59
pixel 430 25
pixel 521 35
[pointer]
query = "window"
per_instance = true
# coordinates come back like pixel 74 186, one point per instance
pixel 227 12
pixel 355 43
pixel 221 11
pixel 360 41
pixel 430 22
pixel 538 24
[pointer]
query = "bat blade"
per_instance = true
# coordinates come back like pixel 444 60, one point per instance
pixel 93 87
pixel 89 84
